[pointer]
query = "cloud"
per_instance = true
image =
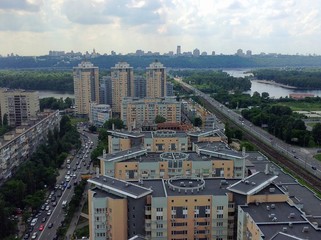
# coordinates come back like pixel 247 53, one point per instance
pixel 22 5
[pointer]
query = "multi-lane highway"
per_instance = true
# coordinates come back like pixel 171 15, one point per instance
pixel 52 212
pixel 298 155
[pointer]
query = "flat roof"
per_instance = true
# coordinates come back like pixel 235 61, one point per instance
pixel 286 232
pixel 103 194
pixel 219 148
pixel 263 213
pixel 125 133
pixel 253 183
pixel 119 187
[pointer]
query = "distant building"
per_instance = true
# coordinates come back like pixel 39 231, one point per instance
pixel 196 52
pixel 213 53
pixel 248 53
pixel 137 112
pixel 155 80
pixel 178 50
pixel 99 114
pixel 86 87
pixel 239 53
pixel 18 105
pixel 122 77
pixel 300 95
pixel 204 54
pixel 56 53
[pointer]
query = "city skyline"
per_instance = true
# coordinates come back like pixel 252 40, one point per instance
pixel 33 27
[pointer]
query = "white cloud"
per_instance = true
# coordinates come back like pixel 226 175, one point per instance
pixel 160 25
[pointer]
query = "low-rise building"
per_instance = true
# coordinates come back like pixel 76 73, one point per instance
pixel 99 114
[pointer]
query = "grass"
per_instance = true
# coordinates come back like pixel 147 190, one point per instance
pixel 74 121
pixel 311 124
pixel 302 106
pixel 317 157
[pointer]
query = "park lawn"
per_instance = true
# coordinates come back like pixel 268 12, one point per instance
pixel 302 106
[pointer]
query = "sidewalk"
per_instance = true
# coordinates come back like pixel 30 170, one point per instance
pixel 75 219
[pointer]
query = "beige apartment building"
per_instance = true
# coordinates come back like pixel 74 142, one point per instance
pixel 122 78
pixel 156 80
pixel 19 105
pixel 136 112
pixel 86 87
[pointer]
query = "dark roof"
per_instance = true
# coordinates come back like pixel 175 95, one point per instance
pixel 252 184
pixel 120 187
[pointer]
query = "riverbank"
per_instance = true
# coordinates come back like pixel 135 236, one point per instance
pixel 275 84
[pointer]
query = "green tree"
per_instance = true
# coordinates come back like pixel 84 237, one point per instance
pixel 316 133
pixel 197 122
pixel 92 128
pixel 160 119
pixel 118 123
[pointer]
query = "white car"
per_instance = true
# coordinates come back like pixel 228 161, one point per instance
pixel 49 212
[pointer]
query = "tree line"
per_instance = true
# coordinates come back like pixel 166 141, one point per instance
pixel 300 78
pixel 210 81
pixel 27 188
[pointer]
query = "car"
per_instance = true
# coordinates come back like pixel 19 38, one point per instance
pixel 77 162
pixel 74 175
pixel 47 202
pixel 47 208
pixel 68 173
pixel 295 157
pixel 26 236
pixel 44 219
pixel 53 199
pixel 34 235
pixel 41 227
pixel 50 225
pixel 49 212
pixel 78 166
pixel 57 186
pixel 33 222
pixel 29 219
pixel 30 229
pixel 68 166
pixel 314 167
pixel 69 186
pixel 54 203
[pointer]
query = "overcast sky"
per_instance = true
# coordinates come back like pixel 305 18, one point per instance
pixel 33 27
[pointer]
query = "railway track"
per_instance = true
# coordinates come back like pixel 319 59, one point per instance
pixel 277 157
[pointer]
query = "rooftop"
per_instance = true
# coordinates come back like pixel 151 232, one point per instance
pixel 252 184
pixel 119 187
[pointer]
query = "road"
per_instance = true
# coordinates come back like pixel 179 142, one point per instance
pixel 299 155
pixel 79 164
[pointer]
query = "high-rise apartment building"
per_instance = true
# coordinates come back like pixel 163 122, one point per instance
pixel 86 87
pixel 18 105
pixel 156 80
pixel 105 91
pixel 122 78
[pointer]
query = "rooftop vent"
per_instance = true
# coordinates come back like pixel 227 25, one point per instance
pixel 268 207
pixel 247 182
pixel 127 184
pixel 305 229
pixel 105 179
pixel 290 224
pixel 285 229
pixel 274 219
pixel 272 206
pixel 253 183
pixel 272 190
pixel 292 215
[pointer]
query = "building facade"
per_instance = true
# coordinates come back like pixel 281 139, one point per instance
pixel 155 80
pixel 19 105
pixel 136 112
pixel 106 91
pixel 86 87
pixel 99 114
pixel 18 145
pixel 122 78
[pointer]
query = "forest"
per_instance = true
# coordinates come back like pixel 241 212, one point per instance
pixel 37 80
pixel 302 78
pixel 204 62
pixel 213 81
pixel 27 188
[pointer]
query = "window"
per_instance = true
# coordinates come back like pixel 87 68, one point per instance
pixel 219 224
pixel 159 234
pixel 159 225
pixel 220 208
pixel 159 217
pixel 220 216
pixel 159 209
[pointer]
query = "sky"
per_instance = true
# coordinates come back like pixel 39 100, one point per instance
pixel 33 27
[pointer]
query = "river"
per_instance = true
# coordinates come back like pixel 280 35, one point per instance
pixel 273 90
pixel 55 94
